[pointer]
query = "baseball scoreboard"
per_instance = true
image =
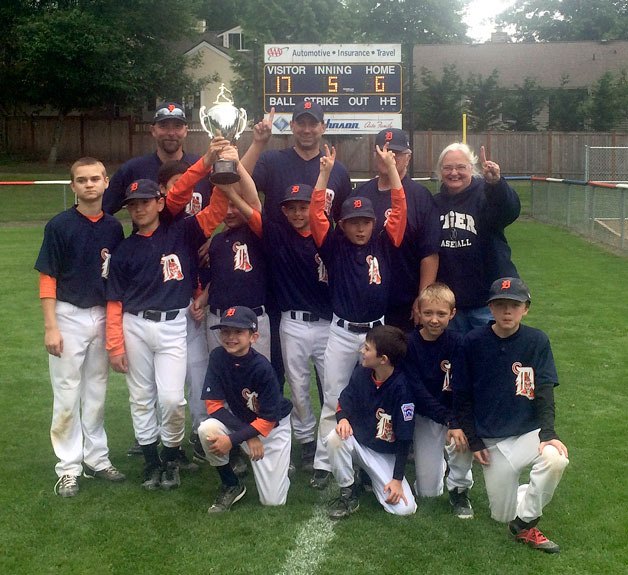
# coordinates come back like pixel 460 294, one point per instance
pixel 358 85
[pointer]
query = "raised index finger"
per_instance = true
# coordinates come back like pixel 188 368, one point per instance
pixel 271 116
pixel 482 155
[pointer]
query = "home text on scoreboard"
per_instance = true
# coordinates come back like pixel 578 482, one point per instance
pixel 339 88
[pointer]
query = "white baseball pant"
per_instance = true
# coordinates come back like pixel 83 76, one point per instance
pixel 157 356
pixel 302 341
pixel 429 460
pixel 379 466
pixel 270 472
pixel 508 458
pixel 79 386
pixel 197 360
pixel 341 356
pixel 262 345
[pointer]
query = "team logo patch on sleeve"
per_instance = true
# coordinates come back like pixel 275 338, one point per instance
pixel 407 409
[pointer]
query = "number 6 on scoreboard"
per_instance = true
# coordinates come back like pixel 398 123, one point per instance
pixel 380 85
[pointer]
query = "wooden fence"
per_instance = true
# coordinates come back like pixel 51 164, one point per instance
pixel 552 154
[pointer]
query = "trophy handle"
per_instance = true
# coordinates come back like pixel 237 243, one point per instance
pixel 242 119
pixel 202 116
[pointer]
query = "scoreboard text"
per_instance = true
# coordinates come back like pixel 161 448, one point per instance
pixel 339 88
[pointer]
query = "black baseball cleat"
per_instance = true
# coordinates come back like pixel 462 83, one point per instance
pixel 344 505
pixel 170 478
pixel 185 464
pixel 308 450
pixel 459 501
pixel 152 477
pixel 226 497
pixel 320 480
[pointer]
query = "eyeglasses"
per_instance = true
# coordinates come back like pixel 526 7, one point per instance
pixel 170 112
pixel 458 167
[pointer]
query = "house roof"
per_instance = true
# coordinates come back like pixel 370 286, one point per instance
pixel 546 62
pixel 191 44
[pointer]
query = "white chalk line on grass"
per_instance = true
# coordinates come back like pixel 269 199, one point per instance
pixel 310 545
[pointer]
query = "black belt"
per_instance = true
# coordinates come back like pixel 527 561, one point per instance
pixel 156 315
pixel 305 316
pixel 358 327
pixel 256 310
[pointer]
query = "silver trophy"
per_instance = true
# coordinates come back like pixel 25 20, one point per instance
pixel 225 120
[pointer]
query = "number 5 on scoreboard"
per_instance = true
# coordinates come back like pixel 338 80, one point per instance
pixel 332 84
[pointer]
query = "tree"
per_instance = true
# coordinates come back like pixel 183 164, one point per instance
pixel 407 21
pixel 607 104
pixel 93 54
pixel 484 102
pixel 575 20
pixel 565 107
pixel 523 105
pixel 440 102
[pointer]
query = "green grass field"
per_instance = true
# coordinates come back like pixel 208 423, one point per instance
pixel 579 299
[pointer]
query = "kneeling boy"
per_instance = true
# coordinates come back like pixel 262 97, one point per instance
pixel 505 395
pixel 375 424
pixel 257 415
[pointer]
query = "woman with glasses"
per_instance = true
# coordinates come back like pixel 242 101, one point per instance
pixel 475 208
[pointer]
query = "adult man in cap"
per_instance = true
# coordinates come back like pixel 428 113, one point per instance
pixel 169 130
pixel 415 264
pixel 275 170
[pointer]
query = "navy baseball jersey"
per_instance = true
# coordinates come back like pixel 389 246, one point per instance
pixel 156 272
pixel 381 414
pixel 359 276
pixel 237 272
pixel 247 384
pixel 298 274
pixel 146 167
pixel 277 169
pixel 499 376
pixel 473 248
pixel 420 240
pixel 76 251
pixel 431 361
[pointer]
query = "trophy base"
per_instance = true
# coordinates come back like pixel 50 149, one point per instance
pixel 224 173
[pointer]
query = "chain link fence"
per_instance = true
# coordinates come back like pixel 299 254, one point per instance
pixel 606 164
pixel 594 210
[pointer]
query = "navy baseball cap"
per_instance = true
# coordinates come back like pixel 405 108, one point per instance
pixel 239 316
pixel 357 207
pixel 141 190
pixel 169 111
pixel 308 107
pixel 301 192
pixel 509 288
pixel 396 139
